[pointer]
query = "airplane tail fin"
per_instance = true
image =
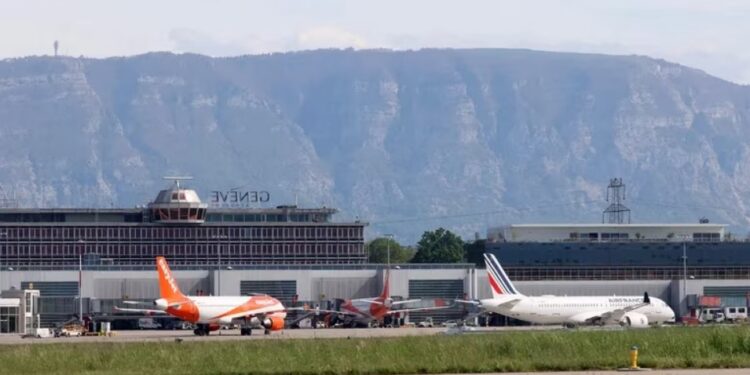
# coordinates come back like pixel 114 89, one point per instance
pixel 500 284
pixel 168 288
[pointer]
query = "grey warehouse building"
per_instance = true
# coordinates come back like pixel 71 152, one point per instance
pixel 104 287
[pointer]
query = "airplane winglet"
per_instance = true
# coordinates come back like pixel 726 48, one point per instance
pixel 645 298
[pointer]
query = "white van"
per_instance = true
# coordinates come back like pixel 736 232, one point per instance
pixel 735 313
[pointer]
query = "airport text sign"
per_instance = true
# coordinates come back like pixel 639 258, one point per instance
pixel 236 198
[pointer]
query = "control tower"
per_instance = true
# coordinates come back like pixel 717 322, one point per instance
pixel 177 205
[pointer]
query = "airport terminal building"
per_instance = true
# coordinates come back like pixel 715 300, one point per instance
pixel 302 255
pixel 178 226
pixel 618 251
pixel 292 253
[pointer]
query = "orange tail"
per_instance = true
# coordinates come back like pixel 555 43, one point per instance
pixel 167 284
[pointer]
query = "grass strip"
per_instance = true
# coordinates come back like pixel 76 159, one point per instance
pixel 715 347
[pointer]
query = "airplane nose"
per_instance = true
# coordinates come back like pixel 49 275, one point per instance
pixel 670 317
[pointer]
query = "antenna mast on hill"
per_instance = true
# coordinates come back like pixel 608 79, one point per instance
pixel 56 45
pixel 616 211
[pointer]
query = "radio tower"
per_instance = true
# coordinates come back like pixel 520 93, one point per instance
pixel 616 211
pixel 56 45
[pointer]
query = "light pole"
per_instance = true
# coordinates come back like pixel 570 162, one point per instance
pixel 389 238
pixel 684 272
pixel 80 279
pixel 218 273
pixel 685 239
pixel 4 236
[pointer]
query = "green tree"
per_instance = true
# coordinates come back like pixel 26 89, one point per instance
pixel 440 246
pixel 377 251
pixel 475 252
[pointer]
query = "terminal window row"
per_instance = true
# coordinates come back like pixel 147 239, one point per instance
pixel 229 250
pixel 625 273
pixel 184 259
pixel 254 218
pixel 606 236
pixel 595 236
pixel 158 232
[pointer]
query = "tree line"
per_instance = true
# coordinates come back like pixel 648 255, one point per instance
pixel 438 246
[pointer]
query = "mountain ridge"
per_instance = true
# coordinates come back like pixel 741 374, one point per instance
pixel 404 139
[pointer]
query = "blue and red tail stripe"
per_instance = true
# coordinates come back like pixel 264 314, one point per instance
pixel 497 273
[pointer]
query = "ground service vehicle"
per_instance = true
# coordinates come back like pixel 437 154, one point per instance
pixel 735 313
pixel 712 315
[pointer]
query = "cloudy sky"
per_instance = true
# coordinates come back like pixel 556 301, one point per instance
pixel 711 35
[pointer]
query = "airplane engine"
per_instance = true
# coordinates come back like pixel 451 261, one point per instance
pixel 273 323
pixel 634 320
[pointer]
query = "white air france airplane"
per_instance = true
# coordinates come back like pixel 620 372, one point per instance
pixel 630 311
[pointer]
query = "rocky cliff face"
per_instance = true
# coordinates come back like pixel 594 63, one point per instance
pixel 406 140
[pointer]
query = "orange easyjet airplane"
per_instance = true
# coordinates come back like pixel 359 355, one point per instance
pixel 210 313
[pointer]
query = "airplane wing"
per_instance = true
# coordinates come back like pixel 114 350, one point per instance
pixel 251 314
pixel 300 308
pixel 368 300
pixel 142 311
pixel 340 312
pixel 507 303
pixel 393 303
pixel 431 308
pixel 405 301
pixel 510 303
pixel 616 315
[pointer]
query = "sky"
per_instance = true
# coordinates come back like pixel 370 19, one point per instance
pixel 712 35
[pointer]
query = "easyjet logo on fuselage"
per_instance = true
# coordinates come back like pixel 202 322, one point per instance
pixel 168 275
pixel 264 301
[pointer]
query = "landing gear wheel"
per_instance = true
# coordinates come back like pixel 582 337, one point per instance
pixel 267 332
pixel 246 331
pixel 202 330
